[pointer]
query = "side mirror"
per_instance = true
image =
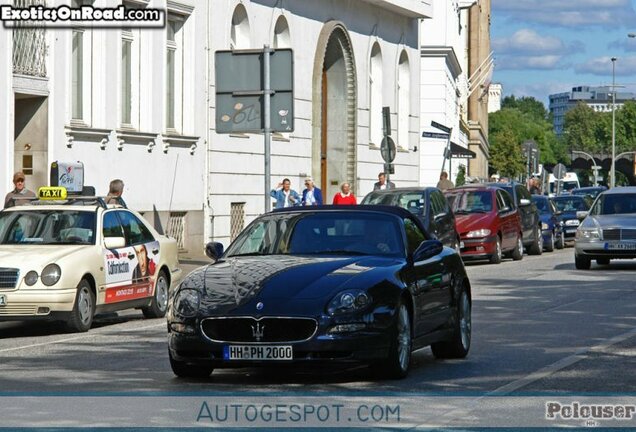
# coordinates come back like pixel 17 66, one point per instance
pixel 214 250
pixel 114 242
pixel 427 249
pixel 440 216
pixel 524 202
pixel 580 215
pixel 504 209
pixel 558 213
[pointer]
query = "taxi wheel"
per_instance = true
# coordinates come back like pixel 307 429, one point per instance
pixel 84 309
pixel 159 304
pixel 184 370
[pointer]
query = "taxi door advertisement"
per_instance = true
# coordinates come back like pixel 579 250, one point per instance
pixel 130 272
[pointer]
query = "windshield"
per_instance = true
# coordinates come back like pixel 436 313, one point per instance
pixel 610 204
pixel 411 201
pixel 570 204
pixel 565 186
pixel 542 205
pixel 471 201
pixel 47 227
pixel 588 192
pixel 343 233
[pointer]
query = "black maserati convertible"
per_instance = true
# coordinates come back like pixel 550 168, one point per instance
pixel 352 284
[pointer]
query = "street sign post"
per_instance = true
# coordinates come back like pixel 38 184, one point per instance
pixel 441 127
pixel 447 152
pixel 255 94
pixel 388 149
pixel 435 135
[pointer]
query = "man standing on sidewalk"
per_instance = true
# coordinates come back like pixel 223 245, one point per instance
pixel 284 195
pixel 19 192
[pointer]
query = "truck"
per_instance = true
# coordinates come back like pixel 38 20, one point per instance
pixel 569 182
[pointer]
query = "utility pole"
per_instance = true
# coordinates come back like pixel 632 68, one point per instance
pixel 613 170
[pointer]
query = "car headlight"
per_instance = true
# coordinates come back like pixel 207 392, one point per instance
pixel 51 274
pixel 572 222
pixel 484 232
pixel 588 234
pixel 348 301
pixel 31 278
pixel 187 302
pixel 544 226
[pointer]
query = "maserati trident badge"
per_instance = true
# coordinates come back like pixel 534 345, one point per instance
pixel 257 331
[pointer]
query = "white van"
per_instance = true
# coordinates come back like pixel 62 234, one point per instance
pixel 569 182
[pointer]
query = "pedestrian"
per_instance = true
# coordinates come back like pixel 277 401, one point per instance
pixel 534 186
pixel 115 192
pixel 284 195
pixel 382 184
pixel 20 195
pixel 345 197
pixel 312 196
pixel 444 183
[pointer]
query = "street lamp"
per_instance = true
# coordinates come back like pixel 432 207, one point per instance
pixel 613 170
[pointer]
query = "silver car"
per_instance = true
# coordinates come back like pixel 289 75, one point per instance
pixel 608 230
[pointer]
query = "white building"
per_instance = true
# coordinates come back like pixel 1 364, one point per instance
pixel 351 58
pixel 128 103
pixel 444 87
pixel 494 97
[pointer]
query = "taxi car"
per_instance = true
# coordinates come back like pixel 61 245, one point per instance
pixel 330 284
pixel 69 259
pixel 608 230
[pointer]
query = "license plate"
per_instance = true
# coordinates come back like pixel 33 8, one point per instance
pixel 620 246
pixel 3 300
pixel 258 352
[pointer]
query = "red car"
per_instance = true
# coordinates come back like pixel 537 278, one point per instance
pixel 487 221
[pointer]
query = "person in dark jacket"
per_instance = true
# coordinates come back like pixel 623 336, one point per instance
pixel 312 196
pixel 382 184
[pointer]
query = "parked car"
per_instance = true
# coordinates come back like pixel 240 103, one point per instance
pixel 608 230
pixel 346 284
pixel 592 191
pixel 551 227
pixel 428 204
pixel 530 220
pixel 569 205
pixel 487 221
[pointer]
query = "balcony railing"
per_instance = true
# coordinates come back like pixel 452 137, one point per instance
pixel 29 44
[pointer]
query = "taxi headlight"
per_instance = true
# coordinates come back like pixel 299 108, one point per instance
pixel 544 226
pixel 187 302
pixel 31 278
pixel 51 274
pixel 588 234
pixel 485 232
pixel 348 301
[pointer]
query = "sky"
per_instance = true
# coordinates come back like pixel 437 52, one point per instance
pixel 549 46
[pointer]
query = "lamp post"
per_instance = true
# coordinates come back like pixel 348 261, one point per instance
pixel 613 170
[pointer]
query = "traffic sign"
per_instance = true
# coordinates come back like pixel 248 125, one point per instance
pixel 389 168
pixel 388 149
pixel 441 127
pixel 436 135
pixel 559 171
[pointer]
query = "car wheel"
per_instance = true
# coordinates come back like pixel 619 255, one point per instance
pixel 397 365
pixel 496 257
pixel 560 243
pixel 517 253
pixel 159 303
pixel 582 263
pixel 536 248
pixel 83 311
pixel 603 261
pixel 549 246
pixel 459 345
pixel 184 370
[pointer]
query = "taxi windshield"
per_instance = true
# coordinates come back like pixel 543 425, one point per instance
pixel 47 227
pixel 337 233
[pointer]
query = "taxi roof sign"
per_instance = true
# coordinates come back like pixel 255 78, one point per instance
pixel 52 193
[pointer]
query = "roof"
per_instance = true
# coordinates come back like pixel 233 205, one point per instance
pixel 621 190
pixel 570 197
pixel 590 188
pixel 403 189
pixel 398 211
pixel 476 186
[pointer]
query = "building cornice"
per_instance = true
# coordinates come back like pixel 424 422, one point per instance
pixel 443 51
pixel 409 8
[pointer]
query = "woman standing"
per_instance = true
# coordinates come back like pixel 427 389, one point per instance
pixel 345 197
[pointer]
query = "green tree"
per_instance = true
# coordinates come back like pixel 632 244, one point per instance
pixel 460 180
pixel 506 156
pixel 527 105
pixel 583 129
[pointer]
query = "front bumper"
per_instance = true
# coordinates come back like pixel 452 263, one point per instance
pixel 39 303
pixel 478 248
pixel 605 249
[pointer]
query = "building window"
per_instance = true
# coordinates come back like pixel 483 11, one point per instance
pixel 375 96
pixel 281 34
pixel 77 75
pixel 126 78
pixel 404 103
pixel 240 33
pixel 237 219
pixel 174 73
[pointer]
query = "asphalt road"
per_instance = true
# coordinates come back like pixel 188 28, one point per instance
pixel 538 325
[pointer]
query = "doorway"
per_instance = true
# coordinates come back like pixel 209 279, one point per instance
pixel 31 139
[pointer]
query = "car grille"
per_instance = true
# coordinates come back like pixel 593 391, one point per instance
pixel 8 278
pixel 619 234
pixel 263 330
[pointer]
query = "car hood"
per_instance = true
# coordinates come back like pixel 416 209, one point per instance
pixel 611 221
pixel 276 280
pixel 35 257
pixel 473 221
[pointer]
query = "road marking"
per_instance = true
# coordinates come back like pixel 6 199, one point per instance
pixel 85 335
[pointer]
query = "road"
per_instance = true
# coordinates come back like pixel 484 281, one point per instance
pixel 538 325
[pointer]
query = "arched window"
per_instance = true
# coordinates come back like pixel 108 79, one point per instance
pixel 281 34
pixel 240 37
pixel 375 95
pixel 403 102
